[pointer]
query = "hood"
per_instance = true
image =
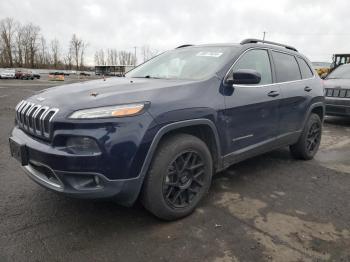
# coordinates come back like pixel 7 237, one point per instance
pixel 112 91
pixel 337 83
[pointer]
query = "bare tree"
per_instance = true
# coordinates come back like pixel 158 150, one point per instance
pixel 126 58
pixel 82 54
pixel 55 52
pixel 148 52
pixel 7 31
pixel 19 45
pixel 78 47
pixel 112 56
pixel 31 44
pixel 100 57
pixel 43 55
pixel 68 59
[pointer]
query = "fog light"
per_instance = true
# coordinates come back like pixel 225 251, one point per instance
pixel 82 146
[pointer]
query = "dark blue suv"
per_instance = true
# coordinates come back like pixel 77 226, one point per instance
pixel 164 129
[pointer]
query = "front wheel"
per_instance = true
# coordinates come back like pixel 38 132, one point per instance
pixel 310 139
pixel 179 177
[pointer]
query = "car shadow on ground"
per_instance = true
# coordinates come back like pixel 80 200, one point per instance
pixel 104 210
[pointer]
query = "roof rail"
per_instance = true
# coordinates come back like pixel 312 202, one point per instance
pixel 182 46
pixel 254 41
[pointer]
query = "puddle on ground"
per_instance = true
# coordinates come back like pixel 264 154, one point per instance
pixel 284 237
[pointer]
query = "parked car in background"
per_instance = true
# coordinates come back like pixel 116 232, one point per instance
pixel 84 74
pixel 337 91
pixel 56 76
pixel 36 75
pixel 161 132
pixel 7 74
pixel 24 75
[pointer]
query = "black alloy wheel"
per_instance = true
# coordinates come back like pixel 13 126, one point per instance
pixel 184 179
pixel 313 137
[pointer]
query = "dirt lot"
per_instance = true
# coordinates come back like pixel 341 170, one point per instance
pixel 270 208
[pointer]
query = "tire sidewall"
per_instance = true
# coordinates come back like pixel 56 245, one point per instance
pixel 312 119
pixel 159 170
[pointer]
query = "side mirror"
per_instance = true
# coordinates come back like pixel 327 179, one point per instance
pixel 245 77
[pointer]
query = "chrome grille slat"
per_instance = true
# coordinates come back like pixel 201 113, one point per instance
pixel 35 118
pixel 42 120
pixel 341 93
pixel 20 108
pixel 26 118
pixel 23 112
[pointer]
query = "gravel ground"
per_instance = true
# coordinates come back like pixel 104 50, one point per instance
pixel 269 208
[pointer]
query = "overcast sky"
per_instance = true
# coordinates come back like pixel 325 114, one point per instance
pixel 318 28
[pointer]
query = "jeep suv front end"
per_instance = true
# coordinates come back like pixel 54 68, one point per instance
pixel 92 153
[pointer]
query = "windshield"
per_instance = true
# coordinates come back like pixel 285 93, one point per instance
pixel 342 72
pixel 189 63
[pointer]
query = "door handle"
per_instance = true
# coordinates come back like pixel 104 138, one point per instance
pixel 307 89
pixel 273 93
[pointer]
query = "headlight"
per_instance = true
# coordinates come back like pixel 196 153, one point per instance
pixel 108 111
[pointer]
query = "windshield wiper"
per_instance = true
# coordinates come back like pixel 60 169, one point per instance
pixel 147 76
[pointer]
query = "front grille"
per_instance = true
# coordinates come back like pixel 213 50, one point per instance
pixel 35 119
pixel 342 93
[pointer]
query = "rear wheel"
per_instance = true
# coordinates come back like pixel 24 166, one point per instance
pixel 310 139
pixel 179 177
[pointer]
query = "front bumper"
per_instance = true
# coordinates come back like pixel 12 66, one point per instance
pixel 337 106
pixel 76 176
pixel 84 185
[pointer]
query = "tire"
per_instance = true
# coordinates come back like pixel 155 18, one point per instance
pixel 172 190
pixel 310 139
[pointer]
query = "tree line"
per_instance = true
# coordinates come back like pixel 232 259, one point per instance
pixel 23 45
pixel 114 57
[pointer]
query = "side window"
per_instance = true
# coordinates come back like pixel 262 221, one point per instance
pixel 257 60
pixel 304 68
pixel 287 68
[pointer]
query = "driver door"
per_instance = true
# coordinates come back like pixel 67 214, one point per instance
pixel 252 111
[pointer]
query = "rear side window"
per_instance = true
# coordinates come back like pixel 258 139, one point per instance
pixel 257 60
pixel 304 68
pixel 287 68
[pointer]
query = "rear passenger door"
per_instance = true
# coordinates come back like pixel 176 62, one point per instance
pixel 294 90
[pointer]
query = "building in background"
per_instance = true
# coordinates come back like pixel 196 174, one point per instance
pixel 113 70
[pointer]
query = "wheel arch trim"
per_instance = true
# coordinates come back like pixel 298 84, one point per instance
pixel 172 127
pixel 312 107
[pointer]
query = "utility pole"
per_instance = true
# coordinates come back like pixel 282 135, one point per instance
pixel 264 36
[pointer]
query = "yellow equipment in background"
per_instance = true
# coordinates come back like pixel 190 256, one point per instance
pixel 322 68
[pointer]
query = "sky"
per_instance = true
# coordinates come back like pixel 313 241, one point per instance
pixel 317 28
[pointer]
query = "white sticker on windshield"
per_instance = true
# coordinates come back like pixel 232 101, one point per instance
pixel 211 54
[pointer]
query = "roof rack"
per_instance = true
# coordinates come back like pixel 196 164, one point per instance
pixel 182 46
pixel 254 41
